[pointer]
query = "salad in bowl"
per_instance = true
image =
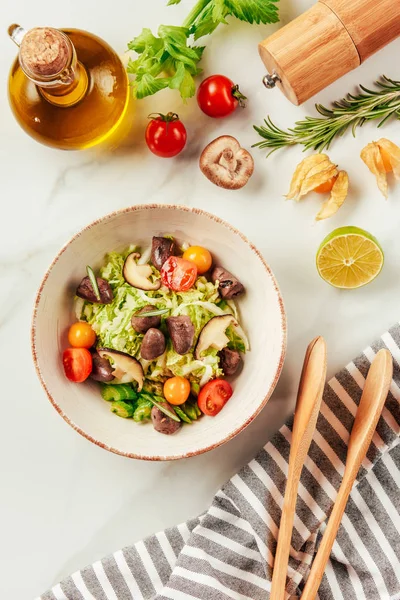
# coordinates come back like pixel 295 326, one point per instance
pixel 158 328
pixel 233 303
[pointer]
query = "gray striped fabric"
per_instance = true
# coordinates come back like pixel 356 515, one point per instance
pixel 227 553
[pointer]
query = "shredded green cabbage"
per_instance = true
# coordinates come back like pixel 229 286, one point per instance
pixel 112 322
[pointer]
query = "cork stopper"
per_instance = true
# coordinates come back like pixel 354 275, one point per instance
pixel 44 52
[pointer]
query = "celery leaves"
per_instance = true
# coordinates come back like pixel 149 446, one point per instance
pixel 170 60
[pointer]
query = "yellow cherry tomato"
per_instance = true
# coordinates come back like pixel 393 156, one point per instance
pixel 200 257
pixel 326 187
pixel 387 163
pixel 176 390
pixel 81 335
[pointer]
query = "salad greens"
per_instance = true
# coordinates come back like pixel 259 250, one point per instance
pixel 112 324
pixel 170 60
pixel 127 403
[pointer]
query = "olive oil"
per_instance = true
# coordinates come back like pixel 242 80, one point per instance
pixel 68 89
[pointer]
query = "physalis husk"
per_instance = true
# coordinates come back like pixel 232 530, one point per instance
pixel 338 196
pixel 382 157
pixel 312 173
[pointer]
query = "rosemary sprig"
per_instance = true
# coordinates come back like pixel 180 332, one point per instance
pixel 350 112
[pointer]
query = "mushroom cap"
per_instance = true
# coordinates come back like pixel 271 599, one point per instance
pixel 213 334
pixel 138 275
pixel 126 367
pixel 226 164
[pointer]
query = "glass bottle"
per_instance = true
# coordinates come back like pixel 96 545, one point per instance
pixel 68 88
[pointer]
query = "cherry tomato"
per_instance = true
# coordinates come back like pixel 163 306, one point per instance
pixel 200 257
pixel 326 187
pixel 77 364
pixel 165 135
pixel 218 96
pixel 387 163
pixel 213 396
pixel 178 274
pixel 176 390
pixel 81 335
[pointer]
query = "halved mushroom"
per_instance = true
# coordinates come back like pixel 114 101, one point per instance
pixel 138 275
pixel 126 368
pixel 101 368
pixel 85 290
pixel 229 286
pixel 181 331
pixel 161 249
pixel 141 323
pixel 153 344
pixel 226 164
pixel 213 334
pixel 229 361
pixel 162 423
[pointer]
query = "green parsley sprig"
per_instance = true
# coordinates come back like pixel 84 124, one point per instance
pixel 170 59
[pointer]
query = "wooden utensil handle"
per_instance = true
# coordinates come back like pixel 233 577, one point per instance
pixel 324 550
pixel 373 398
pixel 283 548
pixel 307 409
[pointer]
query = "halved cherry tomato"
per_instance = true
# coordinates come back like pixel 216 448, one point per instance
pixel 81 335
pixel 178 274
pixel 213 396
pixel 77 364
pixel 176 390
pixel 327 186
pixel 200 257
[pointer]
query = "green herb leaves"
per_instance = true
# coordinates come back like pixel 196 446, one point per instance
pixel 351 112
pixel 170 60
pixel 164 61
pixel 254 11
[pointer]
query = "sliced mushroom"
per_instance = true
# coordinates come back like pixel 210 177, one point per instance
pixel 161 249
pixel 141 323
pixel 138 275
pixel 181 331
pixel 126 368
pixel 213 334
pixel 229 286
pixel 230 361
pixel 101 368
pixel 153 344
pixel 85 290
pixel 226 164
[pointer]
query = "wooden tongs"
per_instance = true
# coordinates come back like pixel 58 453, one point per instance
pixel 307 409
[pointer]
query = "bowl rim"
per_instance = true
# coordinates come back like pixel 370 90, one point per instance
pixel 157 206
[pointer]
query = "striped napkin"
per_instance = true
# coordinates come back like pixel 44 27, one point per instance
pixel 227 553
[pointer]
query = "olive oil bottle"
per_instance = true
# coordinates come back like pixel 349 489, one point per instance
pixel 68 89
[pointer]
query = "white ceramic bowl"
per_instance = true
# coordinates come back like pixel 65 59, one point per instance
pixel 262 316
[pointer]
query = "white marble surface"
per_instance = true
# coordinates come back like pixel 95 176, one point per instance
pixel 64 502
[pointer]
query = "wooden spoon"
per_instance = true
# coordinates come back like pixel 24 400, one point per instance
pixel 371 404
pixel 308 403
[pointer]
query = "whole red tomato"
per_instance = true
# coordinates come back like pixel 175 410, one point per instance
pixel 218 96
pixel 165 135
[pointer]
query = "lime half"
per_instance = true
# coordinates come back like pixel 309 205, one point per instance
pixel 349 258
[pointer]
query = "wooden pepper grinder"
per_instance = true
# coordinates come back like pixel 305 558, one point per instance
pixel 327 41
